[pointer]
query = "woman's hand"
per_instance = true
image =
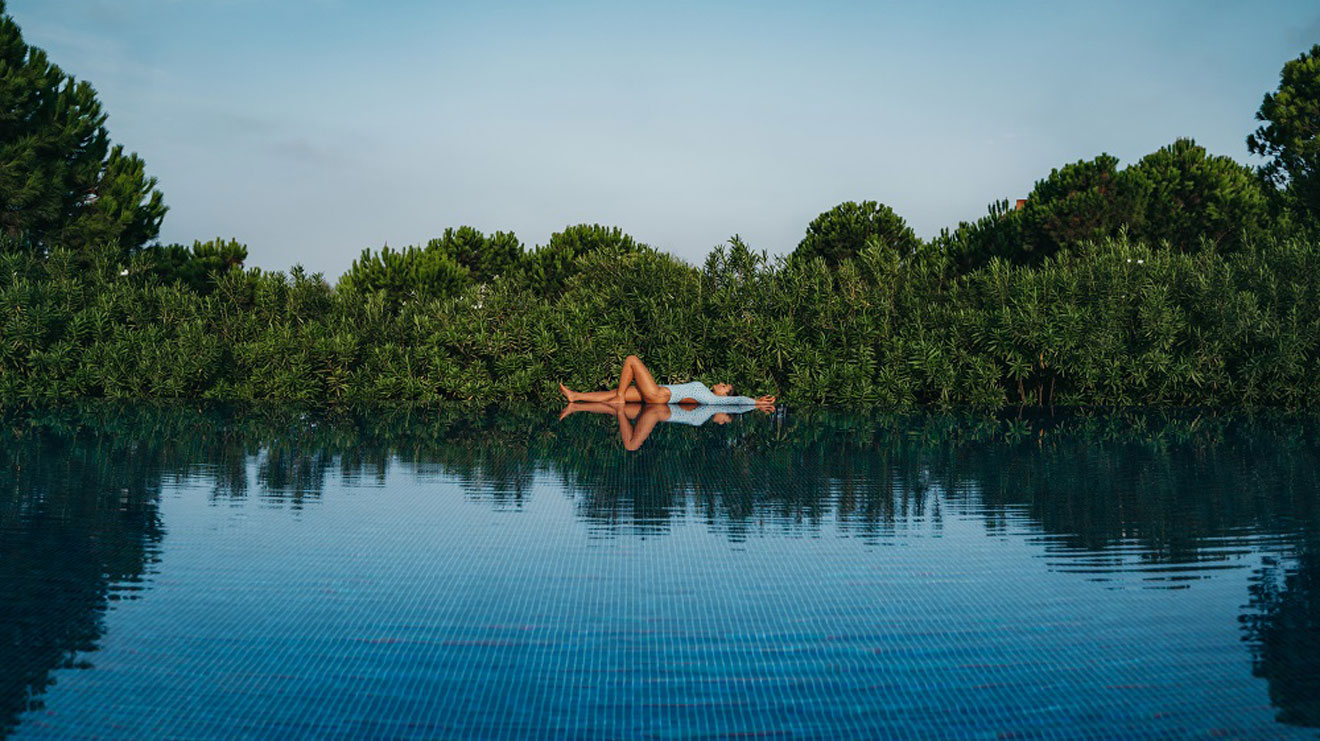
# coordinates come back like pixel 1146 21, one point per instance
pixel 766 404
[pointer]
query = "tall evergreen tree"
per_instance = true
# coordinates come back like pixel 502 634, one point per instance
pixel 1078 202
pixel 61 182
pixel 1290 136
pixel 1182 195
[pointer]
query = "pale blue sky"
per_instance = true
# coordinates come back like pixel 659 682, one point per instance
pixel 310 129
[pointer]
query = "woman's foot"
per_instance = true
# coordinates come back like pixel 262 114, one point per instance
pixel 568 393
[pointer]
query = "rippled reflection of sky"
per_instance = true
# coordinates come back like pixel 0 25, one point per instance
pixel 311 129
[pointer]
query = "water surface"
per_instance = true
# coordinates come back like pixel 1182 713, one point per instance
pixel 272 572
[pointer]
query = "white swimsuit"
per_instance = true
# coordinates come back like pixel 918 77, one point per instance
pixel 698 392
pixel 698 416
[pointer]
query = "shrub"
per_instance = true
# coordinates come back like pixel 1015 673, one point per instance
pixel 1110 323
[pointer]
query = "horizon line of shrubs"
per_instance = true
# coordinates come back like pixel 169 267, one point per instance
pixel 1112 323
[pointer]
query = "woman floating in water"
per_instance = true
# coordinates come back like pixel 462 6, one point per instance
pixel 636 384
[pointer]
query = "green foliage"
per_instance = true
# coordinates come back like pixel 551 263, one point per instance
pixel 1290 136
pixel 1181 194
pixel 61 183
pixel 486 258
pixel 998 234
pixel 410 274
pixel 1168 282
pixel 198 267
pixel 1080 202
pixel 442 269
pixel 1117 323
pixel 551 266
pixel 850 227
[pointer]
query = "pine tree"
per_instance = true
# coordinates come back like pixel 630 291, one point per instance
pixel 850 227
pixel 1290 134
pixel 550 266
pixel 410 274
pixel 61 182
pixel 1183 195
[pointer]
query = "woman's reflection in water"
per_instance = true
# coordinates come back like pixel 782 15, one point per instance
pixel 637 420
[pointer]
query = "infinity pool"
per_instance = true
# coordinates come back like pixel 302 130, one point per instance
pixel 456 573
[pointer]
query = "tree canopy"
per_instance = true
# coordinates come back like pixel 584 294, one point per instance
pixel 848 228
pixel 464 256
pixel 1290 134
pixel 1078 202
pixel 1179 195
pixel 412 273
pixel 550 266
pixel 486 258
pixel 61 181
pixel 197 267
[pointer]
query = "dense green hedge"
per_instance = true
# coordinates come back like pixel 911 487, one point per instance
pixel 1112 324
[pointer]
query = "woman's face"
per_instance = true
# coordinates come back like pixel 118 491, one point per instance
pixel 722 389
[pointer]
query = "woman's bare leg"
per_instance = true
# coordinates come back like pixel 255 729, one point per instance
pixel 636 384
pixel 635 434
pixel 631 395
pixel 634 372
pixel 600 407
pixel 635 420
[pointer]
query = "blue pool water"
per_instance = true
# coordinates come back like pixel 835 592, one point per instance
pixel 456 573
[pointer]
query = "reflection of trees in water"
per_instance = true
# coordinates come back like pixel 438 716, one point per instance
pixel 1166 481
pixel 1283 629
pixel 742 476
pixel 1167 493
pixel 1163 486
pixel 78 527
